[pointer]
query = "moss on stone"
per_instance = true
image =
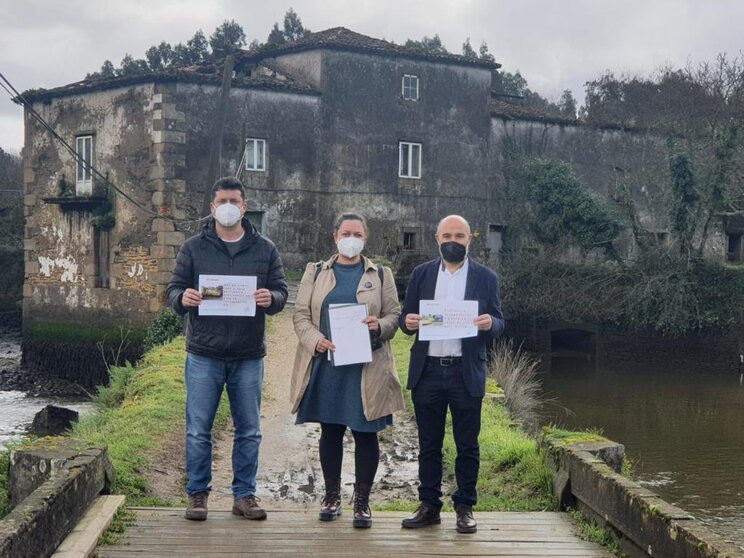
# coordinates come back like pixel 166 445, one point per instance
pixel 567 437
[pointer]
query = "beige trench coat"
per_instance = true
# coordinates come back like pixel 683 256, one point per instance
pixel 381 392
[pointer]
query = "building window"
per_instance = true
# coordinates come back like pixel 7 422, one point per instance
pixel 409 240
pixel 255 154
pixel 734 251
pixel 83 175
pixel 410 87
pixel 409 160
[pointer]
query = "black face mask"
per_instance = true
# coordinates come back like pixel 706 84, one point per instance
pixel 453 252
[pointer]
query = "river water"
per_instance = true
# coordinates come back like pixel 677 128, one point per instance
pixel 683 431
pixel 17 411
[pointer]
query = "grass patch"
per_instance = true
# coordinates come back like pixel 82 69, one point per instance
pixel 568 437
pixel 594 533
pixel 294 274
pixel 513 473
pixel 138 410
pixel 123 518
pixel 4 497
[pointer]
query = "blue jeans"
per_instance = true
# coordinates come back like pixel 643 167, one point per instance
pixel 205 379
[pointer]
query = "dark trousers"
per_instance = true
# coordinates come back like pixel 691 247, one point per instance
pixel 366 453
pixel 439 388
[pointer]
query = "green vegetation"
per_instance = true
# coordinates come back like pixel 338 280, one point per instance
pixel 141 408
pixel 76 332
pixel 594 533
pixel 659 292
pixel 166 326
pixel 513 473
pixel 4 497
pixel 567 437
pixel 566 208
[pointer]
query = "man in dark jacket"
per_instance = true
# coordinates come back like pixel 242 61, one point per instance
pixel 450 373
pixel 225 350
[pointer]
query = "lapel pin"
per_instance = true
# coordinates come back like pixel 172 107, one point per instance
pixel 368 285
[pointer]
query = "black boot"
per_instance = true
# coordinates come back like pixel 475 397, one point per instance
pixel 362 513
pixel 331 504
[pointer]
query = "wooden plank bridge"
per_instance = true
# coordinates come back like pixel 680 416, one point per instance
pixel 163 532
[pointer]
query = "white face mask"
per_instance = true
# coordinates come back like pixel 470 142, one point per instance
pixel 227 214
pixel 350 246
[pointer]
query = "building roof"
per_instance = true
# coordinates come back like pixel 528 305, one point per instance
pixel 340 38
pixel 202 74
pixel 508 111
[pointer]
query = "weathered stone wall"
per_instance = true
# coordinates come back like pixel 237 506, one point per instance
pixel 61 274
pixel 286 192
pixel 364 118
pixel 63 285
pixel 607 161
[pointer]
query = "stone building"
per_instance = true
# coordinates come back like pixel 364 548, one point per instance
pixel 334 121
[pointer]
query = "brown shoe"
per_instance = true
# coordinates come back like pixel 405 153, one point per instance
pixel 331 505
pixel 197 510
pixel 425 516
pixel 465 520
pixel 248 507
pixel 362 513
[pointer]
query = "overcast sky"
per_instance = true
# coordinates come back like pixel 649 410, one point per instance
pixel 556 44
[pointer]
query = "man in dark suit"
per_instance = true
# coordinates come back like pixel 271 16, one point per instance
pixel 450 373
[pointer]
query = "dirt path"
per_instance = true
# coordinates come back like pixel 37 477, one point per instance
pixel 289 474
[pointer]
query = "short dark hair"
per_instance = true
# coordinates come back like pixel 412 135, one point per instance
pixel 228 183
pixel 349 216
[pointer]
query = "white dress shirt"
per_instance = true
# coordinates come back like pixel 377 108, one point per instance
pixel 450 286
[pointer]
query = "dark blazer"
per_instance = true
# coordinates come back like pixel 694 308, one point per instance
pixel 482 285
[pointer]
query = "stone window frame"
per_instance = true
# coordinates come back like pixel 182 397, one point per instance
pixel 83 176
pixel 409 241
pixel 408 91
pixel 406 167
pixel 255 165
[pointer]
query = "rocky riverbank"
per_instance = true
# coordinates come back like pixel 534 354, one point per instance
pixel 15 378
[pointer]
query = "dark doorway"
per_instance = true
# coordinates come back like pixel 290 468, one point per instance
pixel 733 251
pixel 573 343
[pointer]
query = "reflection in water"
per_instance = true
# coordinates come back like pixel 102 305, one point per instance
pixel 17 411
pixel 683 431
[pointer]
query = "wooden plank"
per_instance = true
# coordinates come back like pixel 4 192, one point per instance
pixel 163 532
pixel 83 538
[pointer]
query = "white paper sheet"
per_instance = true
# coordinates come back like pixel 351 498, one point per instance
pixel 237 295
pixel 349 334
pixel 447 319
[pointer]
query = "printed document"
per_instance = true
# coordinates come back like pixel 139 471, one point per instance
pixel 227 295
pixel 349 334
pixel 447 319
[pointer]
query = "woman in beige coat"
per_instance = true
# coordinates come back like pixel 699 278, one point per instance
pixel 361 397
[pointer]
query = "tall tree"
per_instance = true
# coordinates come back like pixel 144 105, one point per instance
pixel 567 104
pixel 293 28
pixel 226 39
pixel 467 49
pixel 159 57
pixel 484 54
pixel 130 65
pixel 276 36
pixel 428 45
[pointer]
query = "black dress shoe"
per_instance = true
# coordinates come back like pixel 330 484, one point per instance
pixel 465 520
pixel 425 516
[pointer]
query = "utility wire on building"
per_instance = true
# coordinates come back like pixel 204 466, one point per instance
pixel 18 98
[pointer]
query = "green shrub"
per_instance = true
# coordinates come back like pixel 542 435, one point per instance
pixel 166 326
pixel 112 395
